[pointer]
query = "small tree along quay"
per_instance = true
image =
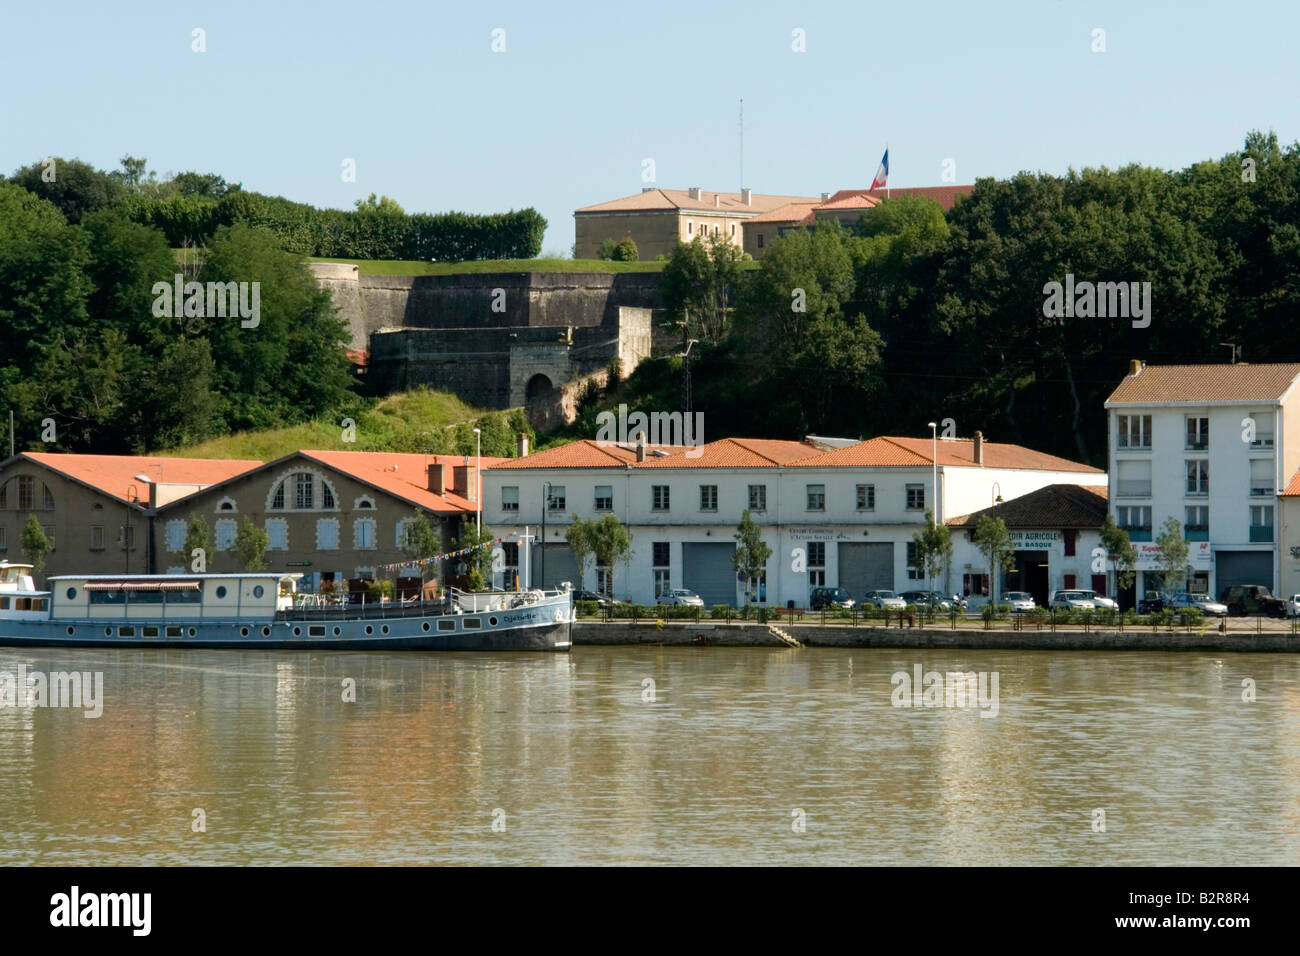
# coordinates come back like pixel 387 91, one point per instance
pixel 1119 552
pixel 478 563
pixel 752 552
pixel 933 547
pixel 994 540
pixel 607 540
pixel 251 543
pixel 35 544
pixel 1173 554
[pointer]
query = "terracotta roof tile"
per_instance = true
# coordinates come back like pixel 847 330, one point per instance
pixel 887 451
pixel 584 454
pixel 668 199
pixel 1055 506
pixel 1204 384
pixel 115 474
pixel 790 212
pixel 737 453
pixel 1293 488
pixel 403 475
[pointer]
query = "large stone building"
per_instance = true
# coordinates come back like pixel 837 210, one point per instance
pixel 841 516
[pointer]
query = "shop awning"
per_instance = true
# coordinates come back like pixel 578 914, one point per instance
pixel 181 585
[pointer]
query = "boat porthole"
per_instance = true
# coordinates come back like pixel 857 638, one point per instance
pixel 384 628
pixel 243 632
pixel 338 631
pixel 425 625
pixel 193 632
pixel 297 632
pixel 369 629
pixel 258 591
pixel 108 632
pixel 492 621
pixel 72 593
pixel 221 591
pixel 266 632
pixel 71 631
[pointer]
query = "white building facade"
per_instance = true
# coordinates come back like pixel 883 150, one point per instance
pixel 1210 446
pixel 842 517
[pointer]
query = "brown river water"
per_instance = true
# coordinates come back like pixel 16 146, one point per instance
pixel 730 756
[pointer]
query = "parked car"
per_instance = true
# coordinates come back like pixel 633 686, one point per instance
pixel 1019 601
pixel 1071 600
pixel 600 599
pixel 931 599
pixel 1155 602
pixel 1186 600
pixel 1252 599
pixel 1101 603
pixel 681 596
pixel 829 597
pixel 884 599
pixel 1293 606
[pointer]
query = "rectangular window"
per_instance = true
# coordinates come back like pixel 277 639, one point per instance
pixel 1069 535
pixel 277 534
pixel 175 536
pixel 760 240
pixel 1133 479
pixel 225 534
pixel 1263 422
pixel 97 538
pixel 446 625
pixel 816 497
pixel 916 497
pixel 556 501
pixel 25 492
pixel 302 492
pixel 4 539
pixel 1136 520
pixel 604 497
pixel 817 564
pixel 1196 527
pixel 915 571
pixel 326 496
pixel 661 550
pixel 327 534
pixel 604 581
pixel 363 533
pixel 1134 431
pixel 1069 582
pixel 128 537
pixel 48 499
pixel 1198 433
pixel 866 497
pixel 1198 476
pixel 662 581
pixel 1261 522
pixel 510 553
pixel 509 497
pixel 708 497
pixel 1261 477
pixel 659 497
pixel 758 497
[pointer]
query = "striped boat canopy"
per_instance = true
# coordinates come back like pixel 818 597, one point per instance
pixel 179 585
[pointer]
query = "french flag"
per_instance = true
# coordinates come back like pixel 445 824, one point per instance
pixel 882 173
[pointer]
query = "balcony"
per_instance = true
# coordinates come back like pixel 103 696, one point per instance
pixel 1262 534
pixel 1138 534
pixel 1131 488
pixel 1195 534
pixel 1261 491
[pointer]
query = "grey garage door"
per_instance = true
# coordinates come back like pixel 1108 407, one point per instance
pixel 1243 567
pixel 707 570
pixel 866 567
pixel 560 566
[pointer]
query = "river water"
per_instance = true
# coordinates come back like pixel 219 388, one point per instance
pixel 654 755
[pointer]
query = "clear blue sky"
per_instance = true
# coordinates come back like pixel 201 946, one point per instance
pixel 413 92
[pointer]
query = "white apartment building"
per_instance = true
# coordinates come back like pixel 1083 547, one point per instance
pixel 834 516
pixel 1210 445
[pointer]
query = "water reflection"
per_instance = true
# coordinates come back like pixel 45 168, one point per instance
pixel 584 768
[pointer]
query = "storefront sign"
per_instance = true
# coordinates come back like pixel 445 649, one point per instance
pixel 816 534
pixel 1034 540
pixel 1199 555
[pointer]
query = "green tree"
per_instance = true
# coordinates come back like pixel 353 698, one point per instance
pixel 75 188
pixel 699 283
pixel 751 554
pixel 625 251
pixel 198 537
pixel 578 537
pixel 35 544
pixel 251 543
pixel 420 540
pixel 478 562
pixel 994 540
pixel 1173 554
pixel 1119 552
pixel 606 539
pixel 933 546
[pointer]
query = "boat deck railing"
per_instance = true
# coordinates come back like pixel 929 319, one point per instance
pixel 332 607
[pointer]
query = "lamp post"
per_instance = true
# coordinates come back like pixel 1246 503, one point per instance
pixel 995 493
pixel 934 460
pixel 546 505
pixel 478 485
pixel 134 496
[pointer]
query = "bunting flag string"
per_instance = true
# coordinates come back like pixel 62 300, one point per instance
pixel 422 562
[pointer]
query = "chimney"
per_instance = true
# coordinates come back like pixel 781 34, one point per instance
pixel 521 446
pixel 640 451
pixel 437 479
pixel 979 448
pixel 693 192
pixel 1134 366
pixel 826 197
pixel 747 196
pixel 717 200
pixel 465 481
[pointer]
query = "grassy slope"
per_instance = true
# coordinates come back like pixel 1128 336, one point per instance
pixel 390 424
pixel 391 267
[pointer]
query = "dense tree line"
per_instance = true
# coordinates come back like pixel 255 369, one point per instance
pixel 916 316
pixel 189 208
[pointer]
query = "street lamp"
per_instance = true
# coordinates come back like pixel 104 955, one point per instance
pixel 546 506
pixel 995 493
pixel 934 460
pixel 134 496
pixel 478 482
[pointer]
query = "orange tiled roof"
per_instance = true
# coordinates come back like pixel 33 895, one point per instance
pixel 1293 488
pixel 115 474
pixel 1202 384
pixel 790 212
pixel 403 475
pixel 585 454
pixel 667 199
pixel 854 201
pixel 737 453
pixel 890 451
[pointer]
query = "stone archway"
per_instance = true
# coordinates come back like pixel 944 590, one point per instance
pixel 539 387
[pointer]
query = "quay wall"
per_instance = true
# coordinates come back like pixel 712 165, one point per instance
pixel 754 635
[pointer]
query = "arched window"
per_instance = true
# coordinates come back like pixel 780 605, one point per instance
pixel 302 491
pixel 26 493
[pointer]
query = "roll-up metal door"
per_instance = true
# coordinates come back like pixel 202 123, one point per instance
pixel 707 570
pixel 1243 567
pixel 560 566
pixel 866 567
